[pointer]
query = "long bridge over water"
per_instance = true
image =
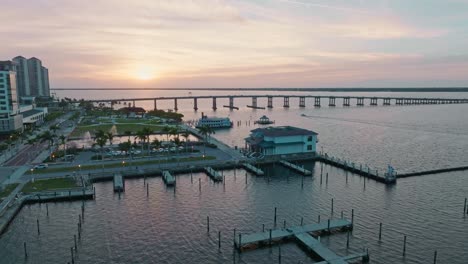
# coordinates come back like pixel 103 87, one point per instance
pixel 317 100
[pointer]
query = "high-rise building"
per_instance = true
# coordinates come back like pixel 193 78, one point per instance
pixel 45 81
pixel 22 76
pixel 10 118
pixel 35 77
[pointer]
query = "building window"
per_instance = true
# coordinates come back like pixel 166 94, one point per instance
pixel 309 138
pixel 309 147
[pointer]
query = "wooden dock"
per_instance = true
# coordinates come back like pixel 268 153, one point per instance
pixel 301 234
pixel 168 179
pixel 253 169
pixel 354 168
pixel 213 174
pixel 119 185
pixel 295 167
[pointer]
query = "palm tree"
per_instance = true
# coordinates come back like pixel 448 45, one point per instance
pixel 185 135
pixel 142 137
pixel 147 132
pixel 54 128
pixel 167 131
pixel 63 141
pixel 128 133
pixel 47 136
pixel 110 137
pixel 205 131
pixel 101 139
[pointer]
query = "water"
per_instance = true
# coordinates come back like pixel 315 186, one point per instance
pixel 170 227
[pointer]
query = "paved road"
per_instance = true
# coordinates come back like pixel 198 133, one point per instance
pixel 27 154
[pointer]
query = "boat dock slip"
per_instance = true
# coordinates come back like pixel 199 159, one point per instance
pixel 118 183
pixel 252 168
pixel 301 234
pixel 213 174
pixel 279 234
pixel 323 252
pixel 168 178
pixel 295 167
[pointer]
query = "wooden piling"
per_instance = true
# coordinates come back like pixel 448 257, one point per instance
pixel 328 225
pixel 208 224
pixel 72 256
pixel 347 240
pixel 318 221
pixel 263 227
pixel 332 206
pixel 219 239
pixel 25 250
pixel 270 238
pixel 464 207
pixel 240 241
pixel 274 219
pixel 435 257
pixel 199 184
pixel 302 183
pixel 74 239
pixel 302 221
pixel 38 230
pixel 147 190
pixel 380 231
pixel 352 216
pixel 326 179
pixel 246 178
pixel 321 179
pixel 47 208
pixel 284 224
pixel 404 245
pixel 234 240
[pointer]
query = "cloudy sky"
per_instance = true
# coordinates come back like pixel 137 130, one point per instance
pixel 240 43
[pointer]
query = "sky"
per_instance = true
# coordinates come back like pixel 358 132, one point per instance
pixel 239 43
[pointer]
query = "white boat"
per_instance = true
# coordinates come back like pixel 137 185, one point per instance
pixel 214 122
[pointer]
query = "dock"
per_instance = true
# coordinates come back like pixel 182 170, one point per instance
pixel 168 179
pixel 302 236
pixel 253 169
pixel 354 168
pixel 295 167
pixel 213 174
pixel 119 185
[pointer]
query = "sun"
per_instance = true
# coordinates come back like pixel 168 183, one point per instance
pixel 145 74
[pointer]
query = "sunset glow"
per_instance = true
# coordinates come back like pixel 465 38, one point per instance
pixel 227 43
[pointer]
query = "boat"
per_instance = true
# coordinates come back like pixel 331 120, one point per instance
pixel 214 122
pixel 264 120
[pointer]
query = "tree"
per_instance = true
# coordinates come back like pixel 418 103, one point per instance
pixel 110 137
pixel 128 133
pixel 101 140
pixel 54 128
pixel 125 146
pixel 167 131
pixel 63 141
pixel 205 131
pixel 185 135
pixel 142 137
pixel 47 136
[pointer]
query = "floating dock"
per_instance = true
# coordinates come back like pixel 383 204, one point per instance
pixel 295 167
pixel 168 179
pixel 118 183
pixel 301 234
pixel 213 174
pixel 253 169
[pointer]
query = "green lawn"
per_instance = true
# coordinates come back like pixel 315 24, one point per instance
pixel 121 128
pixel 49 184
pixel 7 190
pixel 119 164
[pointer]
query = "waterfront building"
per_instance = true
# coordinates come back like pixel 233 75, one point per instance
pixel 22 76
pixel 281 140
pixel 10 117
pixel 35 77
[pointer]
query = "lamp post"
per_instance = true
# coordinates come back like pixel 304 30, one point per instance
pixel 32 175
pixel 123 164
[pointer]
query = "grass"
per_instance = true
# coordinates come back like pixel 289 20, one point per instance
pixel 121 128
pixel 7 190
pixel 119 164
pixel 49 184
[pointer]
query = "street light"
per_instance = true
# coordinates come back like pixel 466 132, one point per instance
pixel 32 175
pixel 123 163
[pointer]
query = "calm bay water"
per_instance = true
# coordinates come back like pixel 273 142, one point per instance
pixel 170 227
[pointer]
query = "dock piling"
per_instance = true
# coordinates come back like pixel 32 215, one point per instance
pixel 270 237
pixel 219 239
pixel 404 245
pixel 284 224
pixel 38 230
pixel 347 239
pixel 328 225
pixel 74 239
pixel 234 240
pixel 352 216
pixel 302 221
pixel 435 257
pixel 326 179
pixel 25 250
pixel 332 206
pixel 199 184
pixel 318 221
pixel 263 227
pixel 72 257
pixel 464 207
pixel 274 219
pixel 147 190
pixel 208 224
pixel 240 241
pixel 380 232
pixel 47 208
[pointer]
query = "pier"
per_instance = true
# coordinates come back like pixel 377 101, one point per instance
pixel 253 169
pixel 301 100
pixel 295 167
pixel 214 175
pixel 301 235
pixel 168 179
pixel 119 185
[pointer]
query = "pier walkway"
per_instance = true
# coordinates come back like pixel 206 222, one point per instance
pixel 169 180
pixel 253 169
pixel 301 234
pixel 213 174
pixel 295 167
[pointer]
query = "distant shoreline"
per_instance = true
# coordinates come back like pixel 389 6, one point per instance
pixel 448 89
